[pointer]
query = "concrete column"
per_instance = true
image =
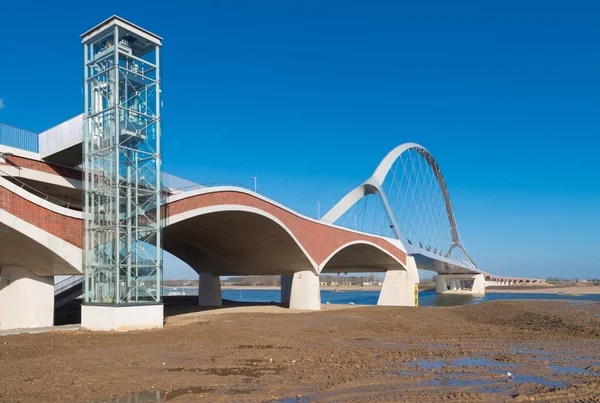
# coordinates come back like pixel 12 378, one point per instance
pixel 209 290
pixel 399 286
pixel 286 287
pixel 459 283
pixel 441 286
pixel 397 289
pixel 26 299
pixel 306 292
pixel 478 284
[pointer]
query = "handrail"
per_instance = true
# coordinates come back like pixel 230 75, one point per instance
pixel 67 283
pixel 36 191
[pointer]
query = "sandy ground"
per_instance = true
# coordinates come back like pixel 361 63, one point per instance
pixel 571 290
pixel 342 354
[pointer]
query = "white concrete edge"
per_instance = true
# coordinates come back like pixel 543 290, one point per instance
pixel 459 276
pixel 237 207
pixel 219 189
pixel 61 136
pixel 38 200
pixel 17 152
pixel 361 242
pixel 39 176
pixel 68 252
pixel 413 270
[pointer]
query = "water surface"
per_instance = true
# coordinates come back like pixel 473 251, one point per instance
pixel 426 298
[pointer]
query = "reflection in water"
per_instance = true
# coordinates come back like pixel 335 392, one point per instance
pixel 451 299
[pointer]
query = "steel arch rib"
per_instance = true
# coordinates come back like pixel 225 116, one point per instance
pixel 373 185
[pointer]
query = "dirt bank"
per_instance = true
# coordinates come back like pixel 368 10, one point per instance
pixel 355 354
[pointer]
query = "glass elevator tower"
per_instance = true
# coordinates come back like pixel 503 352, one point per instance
pixel 122 165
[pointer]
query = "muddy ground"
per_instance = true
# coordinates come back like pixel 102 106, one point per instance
pixel 490 352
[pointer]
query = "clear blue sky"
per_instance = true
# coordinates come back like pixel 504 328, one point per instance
pixel 309 95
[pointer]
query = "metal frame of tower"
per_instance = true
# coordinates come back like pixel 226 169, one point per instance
pixel 122 165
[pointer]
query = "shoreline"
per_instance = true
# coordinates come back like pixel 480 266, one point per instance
pixel 564 290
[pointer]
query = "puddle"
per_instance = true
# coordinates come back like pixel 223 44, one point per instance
pixel 568 370
pixel 198 390
pixel 425 364
pixel 527 350
pixel 480 362
pixel 486 385
pixel 302 399
pixel 517 378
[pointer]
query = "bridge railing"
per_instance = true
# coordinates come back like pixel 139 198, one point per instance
pixel 19 138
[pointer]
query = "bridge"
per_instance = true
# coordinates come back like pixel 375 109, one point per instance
pixel 396 221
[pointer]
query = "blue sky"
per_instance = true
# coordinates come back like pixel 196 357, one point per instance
pixel 309 95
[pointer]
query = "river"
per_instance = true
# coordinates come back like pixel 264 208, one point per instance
pixel 426 298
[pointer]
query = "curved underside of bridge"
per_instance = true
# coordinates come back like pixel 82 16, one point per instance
pixel 361 257
pixel 235 242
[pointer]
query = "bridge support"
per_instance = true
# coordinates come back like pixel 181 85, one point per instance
pixel 209 290
pixel 286 287
pixel 460 283
pixel 399 286
pixel 305 291
pixel 26 299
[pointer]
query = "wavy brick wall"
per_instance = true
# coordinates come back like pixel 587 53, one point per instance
pixel 319 240
pixel 67 228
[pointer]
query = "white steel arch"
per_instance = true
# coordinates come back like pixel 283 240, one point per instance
pixel 374 185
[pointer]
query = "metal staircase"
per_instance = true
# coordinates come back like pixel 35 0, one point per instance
pixel 67 290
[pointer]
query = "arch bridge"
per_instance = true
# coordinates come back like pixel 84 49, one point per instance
pixel 398 220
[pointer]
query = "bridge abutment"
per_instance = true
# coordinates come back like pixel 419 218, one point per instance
pixel 26 299
pixel 460 283
pixel 305 291
pixel 399 286
pixel 209 290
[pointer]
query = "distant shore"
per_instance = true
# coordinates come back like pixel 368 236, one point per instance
pixel 566 290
